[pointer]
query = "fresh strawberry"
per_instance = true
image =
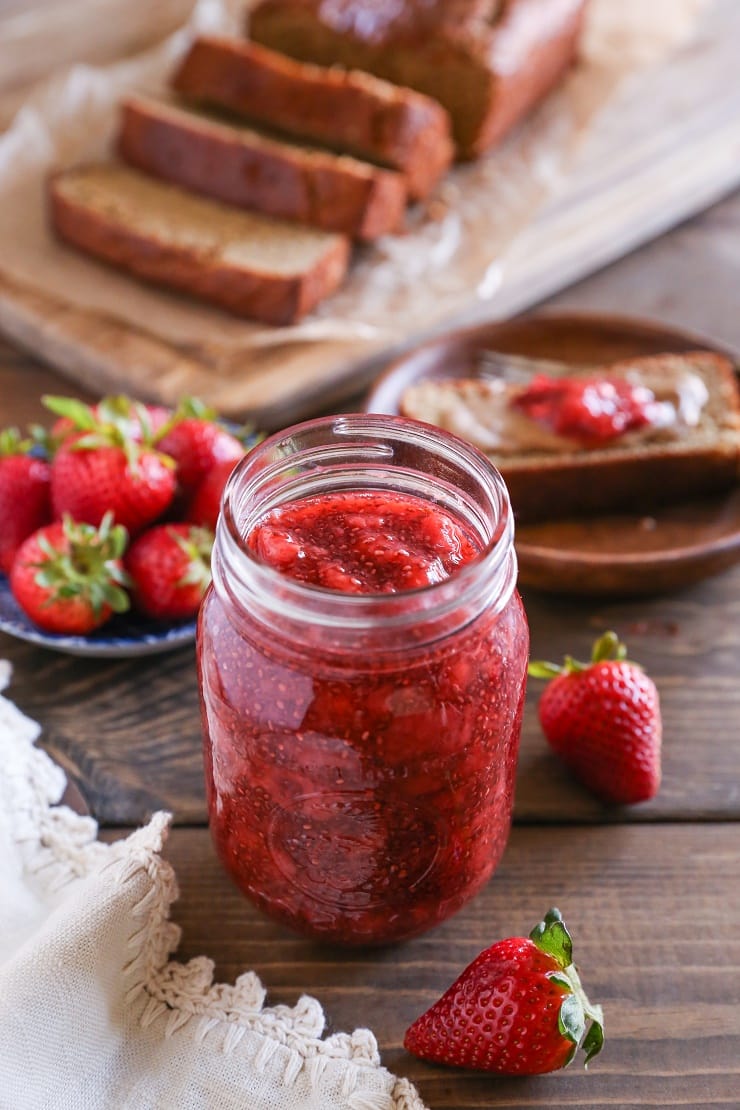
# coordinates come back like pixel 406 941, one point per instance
pixel 25 501
pixel 133 419
pixel 101 469
pixel 68 577
pixel 170 568
pixel 88 481
pixel 139 421
pixel 205 504
pixel 197 442
pixel 603 720
pixel 517 1009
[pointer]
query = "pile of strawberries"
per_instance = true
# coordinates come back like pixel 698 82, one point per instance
pixel 112 508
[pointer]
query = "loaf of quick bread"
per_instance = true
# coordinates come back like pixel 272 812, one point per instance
pixel 250 264
pixel 487 61
pixel 686 442
pixel 243 166
pixel 347 111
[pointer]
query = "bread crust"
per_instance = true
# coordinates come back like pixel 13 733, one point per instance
pixel 488 61
pixel 241 167
pixel 546 486
pixel 349 111
pixel 271 298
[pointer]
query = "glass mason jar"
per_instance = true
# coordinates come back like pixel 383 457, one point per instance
pixel 360 749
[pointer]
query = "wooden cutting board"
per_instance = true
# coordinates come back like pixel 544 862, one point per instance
pixel 667 146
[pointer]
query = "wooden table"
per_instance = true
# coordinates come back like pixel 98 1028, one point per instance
pixel 652 894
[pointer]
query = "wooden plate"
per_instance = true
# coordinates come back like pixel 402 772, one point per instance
pixel 616 555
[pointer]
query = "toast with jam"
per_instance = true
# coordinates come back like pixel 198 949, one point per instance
pixel 628 436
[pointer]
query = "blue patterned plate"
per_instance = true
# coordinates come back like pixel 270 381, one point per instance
pixel 122 637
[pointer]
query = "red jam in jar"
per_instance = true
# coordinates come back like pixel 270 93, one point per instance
pixel 365 542
pixel 362 657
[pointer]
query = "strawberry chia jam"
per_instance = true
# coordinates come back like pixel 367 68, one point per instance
pixel 362 656
pixel 592 411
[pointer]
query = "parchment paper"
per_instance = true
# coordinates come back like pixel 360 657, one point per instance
pixel 448 255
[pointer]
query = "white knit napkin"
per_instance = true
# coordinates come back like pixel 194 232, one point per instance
pixel 94 1015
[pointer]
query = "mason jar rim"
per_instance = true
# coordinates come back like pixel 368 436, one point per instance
pixel 269 476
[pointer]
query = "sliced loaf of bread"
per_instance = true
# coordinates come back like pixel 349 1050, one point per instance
pixel 488 61
pixel 250 264
pixel 242 166
pixel 348 111
pixel 549 477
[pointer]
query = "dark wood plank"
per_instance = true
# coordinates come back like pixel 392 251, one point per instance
pixel 23 381
pixel 128 732
pixel 654 916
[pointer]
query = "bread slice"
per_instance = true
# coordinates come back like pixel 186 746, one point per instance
pixel 351 112
pixel 487 61
pixel 637 471
pixel 250 264
pixel 241 166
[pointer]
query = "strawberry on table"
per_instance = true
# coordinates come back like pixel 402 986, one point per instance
pixel 25 498
pixel 517 1009
pixel 603 719
pixel 69 578
pixel 170 568
pixel 197 442
pixel 101 469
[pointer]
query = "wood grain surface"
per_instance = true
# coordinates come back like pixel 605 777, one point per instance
pixel 651 894
pixel 655 943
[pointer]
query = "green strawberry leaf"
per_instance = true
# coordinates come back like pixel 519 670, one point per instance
pixel 88 569
pixel 551 936
pixel 571 1019
pixel 11 443
pixel 594 1041
pixel 540 668
pixel 67 591
pixel 81 415
pixel 608 648
pixel 145 423
pixel 116 597
pixel 46 577
pixel 91 441
pixel 188 408
pixel 48 549
pixel 197 547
